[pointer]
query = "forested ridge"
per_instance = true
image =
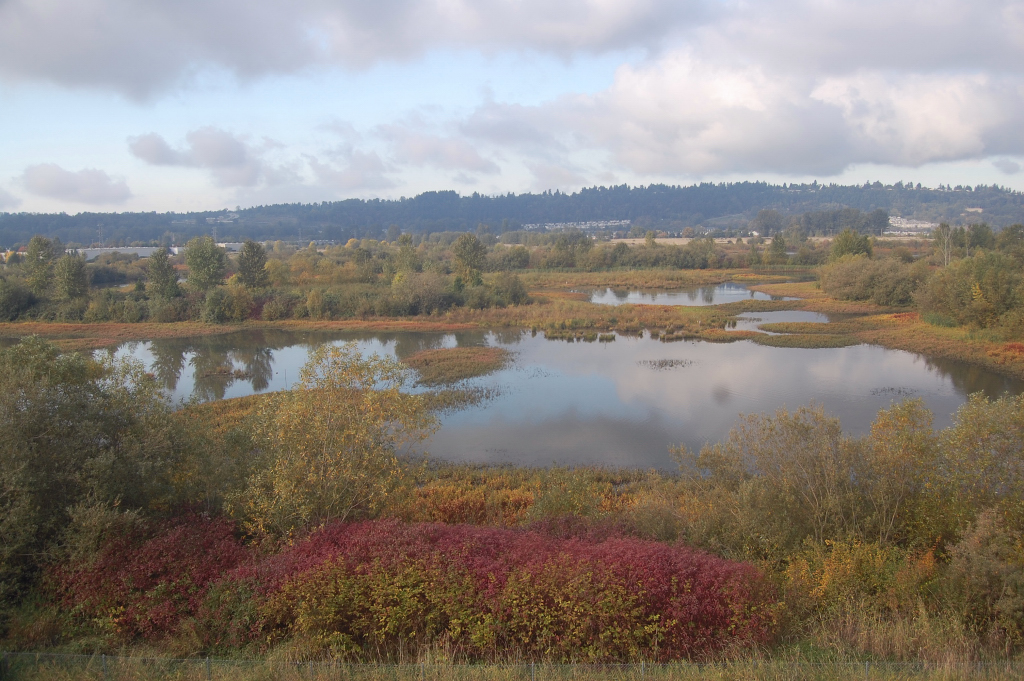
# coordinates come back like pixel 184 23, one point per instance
pixel 657 206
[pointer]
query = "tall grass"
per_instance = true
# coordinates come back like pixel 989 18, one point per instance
pixel 53 668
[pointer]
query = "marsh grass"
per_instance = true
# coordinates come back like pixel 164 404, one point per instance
pixel 129 668
pixel 445 366
pixel 829 328
pixel 806 340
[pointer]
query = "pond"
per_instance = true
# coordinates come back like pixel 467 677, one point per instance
pixel 618 404
pixel 698 296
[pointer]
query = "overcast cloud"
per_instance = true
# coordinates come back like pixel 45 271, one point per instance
pixel 702 88
pixel 85 43
pixel 8 200
pixel 91 186
pixel 231 160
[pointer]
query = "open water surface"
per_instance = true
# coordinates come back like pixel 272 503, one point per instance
pixel 698 296
pixel 619 404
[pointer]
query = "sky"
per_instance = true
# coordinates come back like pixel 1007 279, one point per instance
pixel 177 105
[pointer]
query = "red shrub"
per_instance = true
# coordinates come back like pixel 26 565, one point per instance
pixel 143 584
pixel 489 592
pixel 371 589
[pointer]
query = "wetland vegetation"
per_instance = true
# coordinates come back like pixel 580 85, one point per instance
pixel 299 523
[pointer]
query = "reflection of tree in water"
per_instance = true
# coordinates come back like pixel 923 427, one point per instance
pixel 470 339
pixel 213 370
pixel 968 378
pixel 259 366
pixel 215 359
pixel 508 336
pixel 620 295
pixel 168 361
pixel 692 293
pixel 707 294
pixel 409 344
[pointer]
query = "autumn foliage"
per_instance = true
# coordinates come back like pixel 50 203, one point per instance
pixel 377 588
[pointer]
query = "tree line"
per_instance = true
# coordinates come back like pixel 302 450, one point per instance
pixel 653 206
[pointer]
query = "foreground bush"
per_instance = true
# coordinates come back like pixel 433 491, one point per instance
pixel 375 588
pixel 142 583
pixel 384 589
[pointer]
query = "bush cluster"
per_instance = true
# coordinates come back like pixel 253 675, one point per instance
pixel 378 588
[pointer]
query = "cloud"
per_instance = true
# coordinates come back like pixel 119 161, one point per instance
pixel 842 36
pixel 90 185
pixel 445 152
pixel 511 126
pixel 1007 166
pixel 155 150
pixel 359 171
pixel 552 176
pixel 8 200
pixel 141 48
pixel 230 159
pixel 683 115
pixel 798 87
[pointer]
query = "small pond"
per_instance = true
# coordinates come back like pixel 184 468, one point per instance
pixel 618 404
pixel 698 296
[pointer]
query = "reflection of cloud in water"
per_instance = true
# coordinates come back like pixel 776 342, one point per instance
pixel 566 438
pixel 591 402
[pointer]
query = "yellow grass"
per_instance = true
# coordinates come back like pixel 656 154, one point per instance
pixel 450 365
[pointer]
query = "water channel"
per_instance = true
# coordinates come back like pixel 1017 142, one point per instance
pixel 618 404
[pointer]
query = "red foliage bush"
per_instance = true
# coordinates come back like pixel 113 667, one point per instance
pixel 372 589
pixel 142 584
pixel 487 593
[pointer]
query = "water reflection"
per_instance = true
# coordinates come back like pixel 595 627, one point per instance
pixel 699 296
pixel 752 321
pixel 621 403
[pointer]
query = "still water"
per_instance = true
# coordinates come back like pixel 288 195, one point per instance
pixel 699 296
pixel 618 404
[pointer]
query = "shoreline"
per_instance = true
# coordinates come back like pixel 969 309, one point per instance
pixel 561 312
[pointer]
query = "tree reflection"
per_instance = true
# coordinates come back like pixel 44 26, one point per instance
pixel 168 361
pixel 213 371
pixel 259 366
pixel 969 378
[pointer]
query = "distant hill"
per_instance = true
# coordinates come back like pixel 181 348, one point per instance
pixel 709 205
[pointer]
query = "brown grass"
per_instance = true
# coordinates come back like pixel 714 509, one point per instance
pixel 451 365
pixel 806 340
pixel 438 669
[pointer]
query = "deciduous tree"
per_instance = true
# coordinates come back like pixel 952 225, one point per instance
pixel 206 263
pixel 163 280
pixel 330 447
pixel 252 265
pixel 69 278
